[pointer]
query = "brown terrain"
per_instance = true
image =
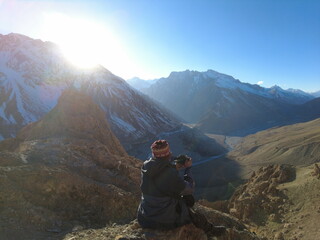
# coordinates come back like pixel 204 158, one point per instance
pixel 296 144
pixel 279 201
pixel 64 172
pixel 68 177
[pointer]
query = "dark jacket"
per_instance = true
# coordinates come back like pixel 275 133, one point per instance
pixel 161 204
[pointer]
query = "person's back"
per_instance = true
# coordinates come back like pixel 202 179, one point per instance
pixel 161 205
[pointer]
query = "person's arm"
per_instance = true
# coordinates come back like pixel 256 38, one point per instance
pixel 189 182
pixel 173 184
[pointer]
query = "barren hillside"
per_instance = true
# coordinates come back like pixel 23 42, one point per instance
pixel 297 144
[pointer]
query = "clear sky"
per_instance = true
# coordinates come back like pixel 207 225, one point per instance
pixel 270 42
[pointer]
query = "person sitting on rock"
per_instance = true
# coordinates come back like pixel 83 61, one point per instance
pixel 162 205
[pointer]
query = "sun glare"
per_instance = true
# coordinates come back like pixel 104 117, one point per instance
pixel 85 43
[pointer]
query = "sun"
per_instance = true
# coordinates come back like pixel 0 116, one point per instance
pixel 85 43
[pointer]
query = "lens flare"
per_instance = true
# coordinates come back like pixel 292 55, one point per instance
pixel 85 43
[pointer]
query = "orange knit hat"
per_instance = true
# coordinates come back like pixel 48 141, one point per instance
pixel 160 148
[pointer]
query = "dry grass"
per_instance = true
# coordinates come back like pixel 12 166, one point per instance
pixel 297 144
pixel 301 211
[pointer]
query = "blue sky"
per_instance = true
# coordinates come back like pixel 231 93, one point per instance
pixel 276 42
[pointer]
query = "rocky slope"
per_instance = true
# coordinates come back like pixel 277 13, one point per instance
pixel 33 74
pixel 64 172
pixel 280 202
pixel 67 172
pixel 259 199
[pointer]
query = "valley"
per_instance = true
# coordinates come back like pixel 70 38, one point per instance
pixel 72 142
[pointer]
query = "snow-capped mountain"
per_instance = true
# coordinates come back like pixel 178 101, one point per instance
pixel 140 84
pixel 33 74
pixel 221 104
pixel 316 94
pixel 292 96
pixel 132 115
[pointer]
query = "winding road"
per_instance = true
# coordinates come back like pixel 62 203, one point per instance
pixel 208 159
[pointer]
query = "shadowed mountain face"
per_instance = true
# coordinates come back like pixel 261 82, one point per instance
pixel 218 103
pixel 309 110
pixel 67 170
pixel 33 74
pixel 246 113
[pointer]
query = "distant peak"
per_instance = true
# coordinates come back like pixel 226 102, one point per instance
pixel 276 88
pixel 212 71
pixel 17 36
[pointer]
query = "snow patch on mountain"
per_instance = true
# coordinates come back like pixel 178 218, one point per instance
pixel 316 94
pixel 228 82
pixel 12 120
pixel 13 82
pixel 123 124
pixel 2 113
pixel 8 119
pixel 205 79
pixel 297 91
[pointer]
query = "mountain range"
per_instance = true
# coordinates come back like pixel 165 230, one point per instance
pixel 33 74
pixel 66 133
pixel 218 103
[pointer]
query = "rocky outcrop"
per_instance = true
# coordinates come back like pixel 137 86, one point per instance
pixel 235 230
pixel 133 231
pixel 259 199
pixel 66 171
